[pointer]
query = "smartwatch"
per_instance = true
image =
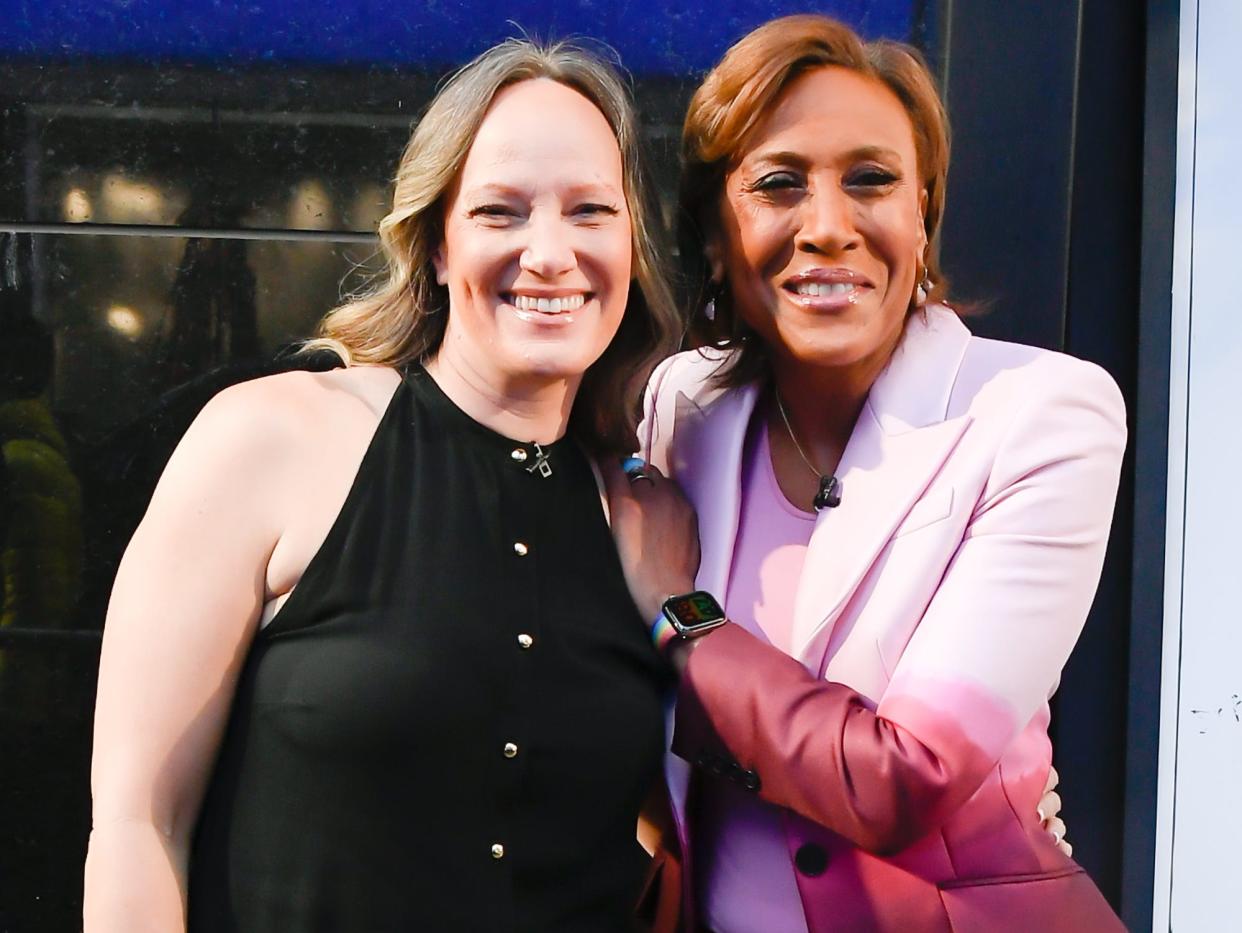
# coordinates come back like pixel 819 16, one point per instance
pixel 684 617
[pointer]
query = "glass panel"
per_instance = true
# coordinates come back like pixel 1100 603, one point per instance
pixel 47 693
pixel 244 117
pixel 110 345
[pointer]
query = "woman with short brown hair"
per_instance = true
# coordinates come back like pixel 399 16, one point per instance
pixel 904 523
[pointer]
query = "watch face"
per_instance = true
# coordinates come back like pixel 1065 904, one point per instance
pixel 695 609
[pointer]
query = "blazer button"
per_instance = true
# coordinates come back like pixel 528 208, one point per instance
pixel 750 780
pixel 811 860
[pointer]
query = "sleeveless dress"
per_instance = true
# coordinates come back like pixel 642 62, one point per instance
pixel 453 721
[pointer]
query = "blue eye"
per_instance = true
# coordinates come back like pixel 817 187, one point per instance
pixel 605 209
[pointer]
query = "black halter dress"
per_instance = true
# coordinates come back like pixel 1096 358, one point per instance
pixel 452 722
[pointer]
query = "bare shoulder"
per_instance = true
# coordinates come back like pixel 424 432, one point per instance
pixel 257 436
pixel 293 403
pixel 290 412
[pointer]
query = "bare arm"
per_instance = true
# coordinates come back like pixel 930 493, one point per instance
pixel 184 608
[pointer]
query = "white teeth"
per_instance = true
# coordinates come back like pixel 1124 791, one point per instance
pixel 824 289
pixel 548 305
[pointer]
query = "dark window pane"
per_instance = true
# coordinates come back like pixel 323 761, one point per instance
pixel 238 116
pixel 47 691
pixel 111 345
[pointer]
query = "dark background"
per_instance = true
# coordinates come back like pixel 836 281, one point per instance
pixel 185 189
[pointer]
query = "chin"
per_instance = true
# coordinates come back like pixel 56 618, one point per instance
pixel 834 345
pixel 826 357
pixel 827 347
pixel 550 363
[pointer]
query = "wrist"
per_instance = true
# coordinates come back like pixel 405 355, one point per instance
pixel 678 654
pixel 683 619
pixel 653 606
pixel 663 634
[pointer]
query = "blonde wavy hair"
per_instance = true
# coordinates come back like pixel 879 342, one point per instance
pixel 402 318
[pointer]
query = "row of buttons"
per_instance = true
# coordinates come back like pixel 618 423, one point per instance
pixel 726 768
pixel 525 643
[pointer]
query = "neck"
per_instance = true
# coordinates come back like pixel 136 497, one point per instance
pixel 822 405
pixel 522 407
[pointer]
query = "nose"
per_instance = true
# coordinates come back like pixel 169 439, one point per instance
pixel 549 251
pixel 827 222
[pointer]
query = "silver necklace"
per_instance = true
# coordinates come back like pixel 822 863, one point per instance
pixel 829 495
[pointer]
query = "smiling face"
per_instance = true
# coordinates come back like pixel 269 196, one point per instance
pixel 537 247
pixel 822 233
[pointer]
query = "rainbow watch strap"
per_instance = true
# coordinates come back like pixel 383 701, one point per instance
pixel 662 633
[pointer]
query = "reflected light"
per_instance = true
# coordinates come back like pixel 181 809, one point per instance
pixel 310 208
pixel 369 207
pixel 125 321
pixel 77 207
pixel 128 201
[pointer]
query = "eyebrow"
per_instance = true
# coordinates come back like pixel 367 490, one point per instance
pixel 585 189
pixel 786 157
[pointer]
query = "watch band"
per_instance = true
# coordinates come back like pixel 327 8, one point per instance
pixel 663 634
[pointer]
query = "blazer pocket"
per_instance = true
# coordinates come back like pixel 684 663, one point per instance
pixel 931 508
pixel 1062 901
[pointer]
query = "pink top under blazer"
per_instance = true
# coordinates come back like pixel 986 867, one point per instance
pixel 906 738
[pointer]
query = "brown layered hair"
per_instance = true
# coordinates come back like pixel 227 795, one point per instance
pixel 734 99
pixel 402 318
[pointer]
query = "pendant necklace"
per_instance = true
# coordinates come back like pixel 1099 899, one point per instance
pixel 829 495
pixel 542 464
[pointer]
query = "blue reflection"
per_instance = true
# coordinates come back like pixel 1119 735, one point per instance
pixel 670 37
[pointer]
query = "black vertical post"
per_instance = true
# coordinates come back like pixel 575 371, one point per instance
pixel 1151 458
pixel 1009 73
pixel 1102 325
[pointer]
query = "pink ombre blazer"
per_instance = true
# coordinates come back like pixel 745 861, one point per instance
pixel 906 738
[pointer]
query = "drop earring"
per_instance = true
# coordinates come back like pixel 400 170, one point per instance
pixel 709 308
pixel 922 290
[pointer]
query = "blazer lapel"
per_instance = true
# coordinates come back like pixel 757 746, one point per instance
pixel 706 459
pixel 899 444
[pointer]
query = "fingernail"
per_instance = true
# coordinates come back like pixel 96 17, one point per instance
pixel 1039 811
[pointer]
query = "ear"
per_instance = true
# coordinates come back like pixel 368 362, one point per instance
pixel 714 254
pixel 923 220
pixel 438 262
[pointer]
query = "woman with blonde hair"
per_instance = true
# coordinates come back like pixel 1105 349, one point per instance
pixel 904 523
pixel 370 661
